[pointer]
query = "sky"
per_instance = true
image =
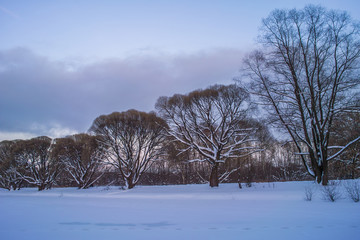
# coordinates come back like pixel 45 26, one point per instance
pixel 64 62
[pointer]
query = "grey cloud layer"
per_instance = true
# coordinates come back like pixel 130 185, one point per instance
pixel 38 92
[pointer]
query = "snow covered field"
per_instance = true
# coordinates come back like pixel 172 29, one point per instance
pixel 264 211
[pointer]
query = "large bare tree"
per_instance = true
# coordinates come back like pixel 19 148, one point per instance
pixel 307 73
pixel 81 157
pixel 9 178
pixel 132 140
pixel 35 163
pixel 212 123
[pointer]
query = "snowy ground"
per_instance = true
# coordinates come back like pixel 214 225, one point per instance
pixel 264 211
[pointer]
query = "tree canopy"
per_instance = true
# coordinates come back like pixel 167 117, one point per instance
pixel 306 74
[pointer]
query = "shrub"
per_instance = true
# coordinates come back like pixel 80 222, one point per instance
pixel 331 192
pixel 353 190
pixel 309 192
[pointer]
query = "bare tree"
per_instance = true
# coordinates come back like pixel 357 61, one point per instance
pixel 306 74
pixel 33 157
pixel 211 122
pixel 132 140
pixel 9 178
pixel 81 157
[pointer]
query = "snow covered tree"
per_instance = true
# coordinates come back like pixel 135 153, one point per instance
pixel 9 178
pixel 81 157
pixel 33 158
pixel 213 122
pixel 305 75
pixel 132 140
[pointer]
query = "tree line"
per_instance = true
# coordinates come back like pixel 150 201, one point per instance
pixel 303 81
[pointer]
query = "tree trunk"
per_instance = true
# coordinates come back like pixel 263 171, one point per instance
pixel 318 175
pixel 325 174
pixel 130 185
pixel 321 174
pixel 129 182
pixel 41 187
pixel 214 178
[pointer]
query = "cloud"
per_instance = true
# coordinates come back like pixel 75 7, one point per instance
pixel 53 130
pixel 38 91
pixel 15 135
